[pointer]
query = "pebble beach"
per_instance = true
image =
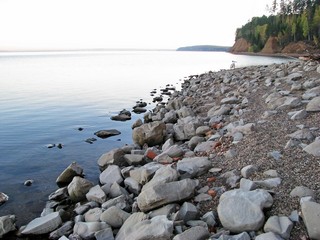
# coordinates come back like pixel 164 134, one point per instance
pixel 235 154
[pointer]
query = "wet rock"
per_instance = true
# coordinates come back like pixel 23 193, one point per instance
pixel 121 117
pixel 28 182
pixel 3 198
pixel 107 133
pixel 43 225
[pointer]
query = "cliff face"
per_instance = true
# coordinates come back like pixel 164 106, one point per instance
pixel 241 45
pixel 271 46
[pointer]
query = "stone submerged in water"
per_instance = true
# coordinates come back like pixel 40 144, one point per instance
pixel 107 133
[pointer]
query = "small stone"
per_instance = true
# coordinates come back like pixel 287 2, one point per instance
pixel 7 224
pixel 279 225
pixel 248 171
pixel 3 198
pixel 301 191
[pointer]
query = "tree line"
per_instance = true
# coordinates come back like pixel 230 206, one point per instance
pixel 289 21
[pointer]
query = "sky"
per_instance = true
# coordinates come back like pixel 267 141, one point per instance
pixel 113 24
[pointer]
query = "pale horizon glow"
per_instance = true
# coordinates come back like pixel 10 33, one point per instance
pixel 107 24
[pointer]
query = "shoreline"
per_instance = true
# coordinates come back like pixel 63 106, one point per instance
pixel 204 131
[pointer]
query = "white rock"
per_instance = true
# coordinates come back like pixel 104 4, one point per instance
pixel 96 194
pixel 44 224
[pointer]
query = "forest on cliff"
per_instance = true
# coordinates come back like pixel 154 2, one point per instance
pixel 289 21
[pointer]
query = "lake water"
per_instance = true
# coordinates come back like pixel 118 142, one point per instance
pixel 46 97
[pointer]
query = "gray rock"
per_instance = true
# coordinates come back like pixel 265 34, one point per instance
pixel 313 148
pixel 7 224
pixel 269 183
pixel 59 194
pixel 241 210
pixel 248 171
pixel 268 236
pixel 132 185
pixel 107 133
pixel 279 225
pixel 111 175
pixel 114 156
pixel 116 190
pixel 247 184
pixel 163 175
pixel 313 105
pixel 185 112
pixel 150 133
pixel 3 198
pixel 96 194
pixel 137 123
pixel 43 225
pixel 78 188
pixel 210 219
pixel 303 134
pixel 165 210
pixel 187 212
pixel 301 191
pixel 120 202
pixel 310 214
pixel 271 173
pixel 204 147
pixel 104 234
pixel 194 233
pixel 93 215
pixel 202 130
pixel 114 217
pixel 170 117
pixel 67 175
pixel 144 173
pixel 202 197
pixel 134 159
pixel 140 228
pixel 65 229
pixel 164 193
pixel 87 230
pixel 231 178
pixel 193 167
pixel 297 115
pixel 230 100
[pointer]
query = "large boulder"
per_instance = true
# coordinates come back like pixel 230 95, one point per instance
pixel 78 188
pixel 241 210
pixel 152 134
pixel 43 225
pixel 164 193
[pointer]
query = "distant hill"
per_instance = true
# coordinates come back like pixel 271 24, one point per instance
pixel 205 48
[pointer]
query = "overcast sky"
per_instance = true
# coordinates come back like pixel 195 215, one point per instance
pixel 161 24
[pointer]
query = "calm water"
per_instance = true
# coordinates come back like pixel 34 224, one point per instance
pixel 46 97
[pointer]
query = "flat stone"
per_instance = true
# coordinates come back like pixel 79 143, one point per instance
pixel 269 183
pixel 193 167
pixel 107 133
pixel 65 229
pixel 43 225
pixel 134 159
pixel 194 233
pixel 113 157
pixel 313 148
pixel 279 225
pixel 311 218
pixel 165 210
pixel 268 236
pixel 301 191
pixel 164 193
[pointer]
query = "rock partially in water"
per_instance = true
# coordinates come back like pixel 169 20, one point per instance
pixel 7 224
pixel 3 198
pixel 107 133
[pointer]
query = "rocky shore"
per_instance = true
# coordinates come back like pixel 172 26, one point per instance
pixel 234 155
